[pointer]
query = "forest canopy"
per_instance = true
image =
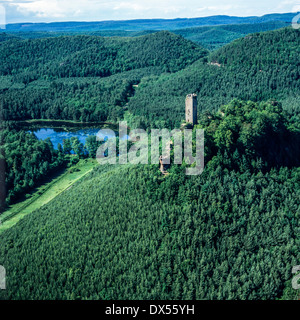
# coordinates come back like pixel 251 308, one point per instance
pixel 129 232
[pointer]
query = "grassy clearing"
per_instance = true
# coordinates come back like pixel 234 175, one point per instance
pixel 45 193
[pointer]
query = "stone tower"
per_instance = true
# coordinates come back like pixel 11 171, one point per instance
pixel 191 108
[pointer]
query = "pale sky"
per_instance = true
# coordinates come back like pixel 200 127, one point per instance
pixel 98 10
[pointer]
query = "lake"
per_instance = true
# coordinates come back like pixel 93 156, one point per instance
pixel 57 135
pixel 58 130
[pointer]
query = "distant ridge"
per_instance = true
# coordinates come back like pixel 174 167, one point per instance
pixel 146 24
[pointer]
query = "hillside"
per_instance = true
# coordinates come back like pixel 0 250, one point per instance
pixel 257 67
pixel 210 37
pixel 89 56
pixel 127 232
pixel 84 77
pixel 90 78
pixel 217 36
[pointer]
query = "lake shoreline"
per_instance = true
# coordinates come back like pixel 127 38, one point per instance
pixel 61 124
pixel 65 121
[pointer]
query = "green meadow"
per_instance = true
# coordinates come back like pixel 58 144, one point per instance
pixel 45 193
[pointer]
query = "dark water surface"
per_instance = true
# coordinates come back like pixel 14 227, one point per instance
pixel 57 131
pixel 58 135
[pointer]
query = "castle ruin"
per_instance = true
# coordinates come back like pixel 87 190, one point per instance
pixel 191 109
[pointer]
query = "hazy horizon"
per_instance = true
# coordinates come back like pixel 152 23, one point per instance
pixel 43 11
pixel 91 21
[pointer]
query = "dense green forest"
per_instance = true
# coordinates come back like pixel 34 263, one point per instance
pixel 81 99
pixel 258 67
pixel 127 232
pixel 87 56
pixel 27 161
pixel 86 78
pixel 164 66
